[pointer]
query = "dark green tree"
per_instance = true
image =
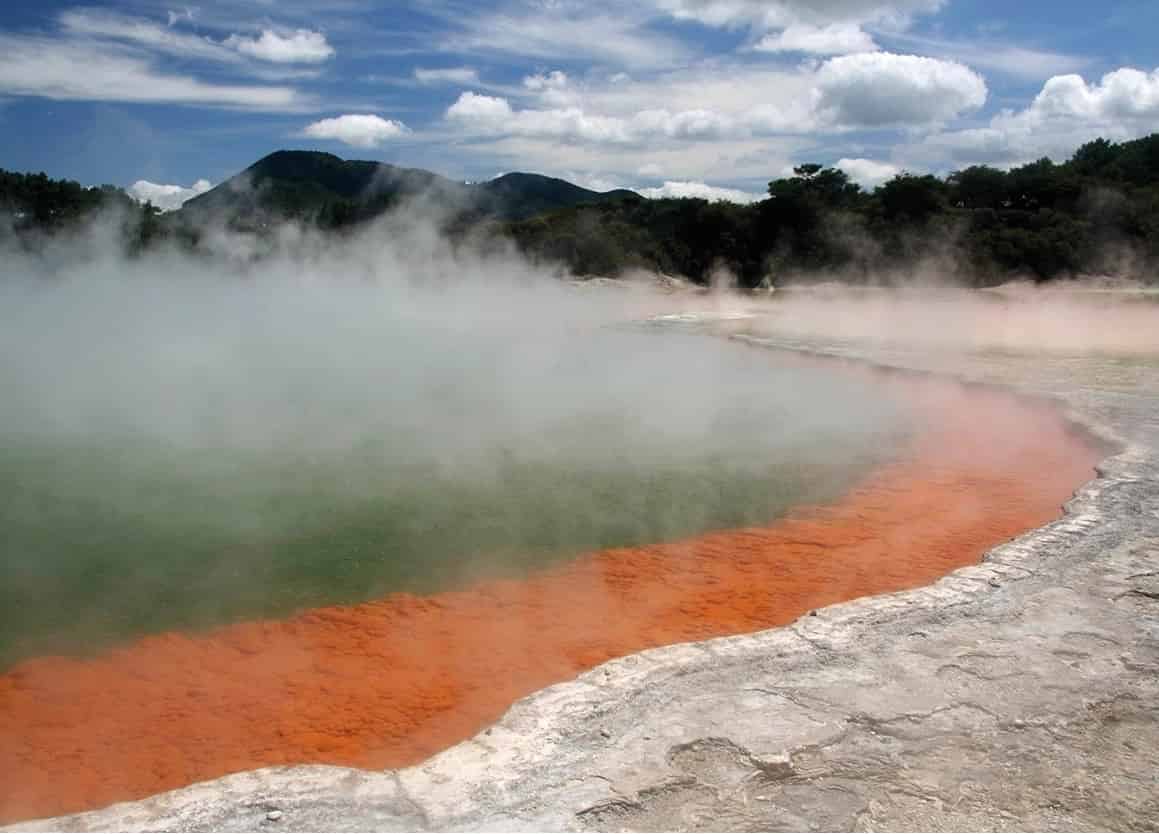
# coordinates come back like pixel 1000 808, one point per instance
pixel 977 187
pixel 913 197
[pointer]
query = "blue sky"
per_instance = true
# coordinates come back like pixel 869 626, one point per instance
pixel 710 97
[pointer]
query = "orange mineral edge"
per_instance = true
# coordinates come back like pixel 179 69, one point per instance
pixel 390 682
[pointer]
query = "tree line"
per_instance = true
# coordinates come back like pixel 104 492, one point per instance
pixel 1096 212
pixel 34 207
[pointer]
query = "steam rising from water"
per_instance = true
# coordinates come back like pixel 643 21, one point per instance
pixel 189 441
pixel 1072 318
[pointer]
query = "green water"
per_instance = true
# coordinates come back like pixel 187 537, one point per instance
pixel 102 544
pixel 118 525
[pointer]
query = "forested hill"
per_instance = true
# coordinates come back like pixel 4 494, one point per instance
pixel 518 196
pixel 334 192
pixel 1098 211
pixel 302 184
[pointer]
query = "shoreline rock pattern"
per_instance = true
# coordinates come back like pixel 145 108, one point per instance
pixel 1018 694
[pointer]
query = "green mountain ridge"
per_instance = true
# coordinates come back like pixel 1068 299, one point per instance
pixel 336 191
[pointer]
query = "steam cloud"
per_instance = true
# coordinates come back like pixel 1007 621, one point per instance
pixel 434 404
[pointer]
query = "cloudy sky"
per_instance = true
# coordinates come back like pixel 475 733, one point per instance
pixel 704 97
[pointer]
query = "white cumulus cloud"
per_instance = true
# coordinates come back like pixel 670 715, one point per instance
pixel 1067 112
pixel 863 90
pixel 683 124
pixel 166 197
pixel 868 173
pixel 679 188
pixel 360 130
pixel 299 47
pixel 832 39
pixel 880 89
pixel 479 109
pixel 494 115
pixel 1125 95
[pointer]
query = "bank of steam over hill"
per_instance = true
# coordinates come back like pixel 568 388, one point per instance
pixel 1097 212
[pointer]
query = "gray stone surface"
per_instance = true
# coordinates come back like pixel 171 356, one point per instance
pixel 1018 694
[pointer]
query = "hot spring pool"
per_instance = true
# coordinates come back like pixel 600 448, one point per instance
pixel 143 495
pixel 293 528
pixel 347 505
pixel 116 533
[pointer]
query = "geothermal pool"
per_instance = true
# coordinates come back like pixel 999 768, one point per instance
pixel 367 559
pixel 115 532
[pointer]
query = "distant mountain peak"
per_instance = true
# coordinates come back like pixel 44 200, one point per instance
pixel 302 182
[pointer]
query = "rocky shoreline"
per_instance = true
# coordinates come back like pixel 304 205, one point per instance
pixel 1018 694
